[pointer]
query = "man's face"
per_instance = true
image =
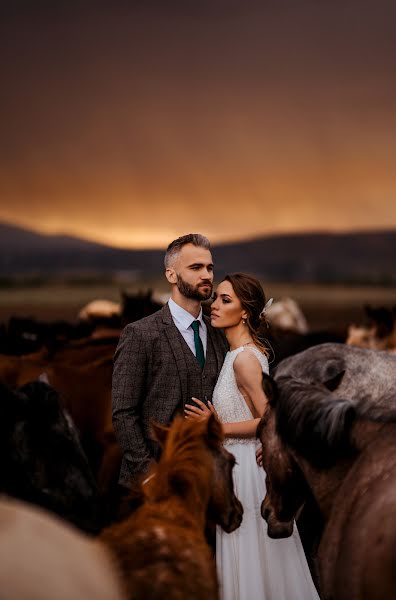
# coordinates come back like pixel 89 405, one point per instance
pixel 193 272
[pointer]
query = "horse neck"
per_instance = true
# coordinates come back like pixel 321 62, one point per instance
pixel 365 431
pixel 324 483
pixel 178 510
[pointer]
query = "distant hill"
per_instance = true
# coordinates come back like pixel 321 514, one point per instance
pixel 312 257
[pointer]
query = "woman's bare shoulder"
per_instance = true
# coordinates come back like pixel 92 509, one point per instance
pixel 247 364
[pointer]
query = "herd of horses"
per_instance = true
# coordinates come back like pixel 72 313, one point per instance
pixel 328 438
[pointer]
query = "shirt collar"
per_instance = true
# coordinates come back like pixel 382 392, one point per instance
pixel 182 315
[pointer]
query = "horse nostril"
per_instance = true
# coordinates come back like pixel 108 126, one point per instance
pixel 265 512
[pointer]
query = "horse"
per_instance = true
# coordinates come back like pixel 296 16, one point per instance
pixel 366 377
pixel 43 557
pixel 137 306
pixel 341 371
pixel 81 373
pixel 341 449
pixel 99 309
pixel 285 314
pixel 379 334
pixel 41 458
pixel 25 335
pixel 161 548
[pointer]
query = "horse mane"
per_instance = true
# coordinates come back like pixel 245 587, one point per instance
pixel 315 426
pixel 184 465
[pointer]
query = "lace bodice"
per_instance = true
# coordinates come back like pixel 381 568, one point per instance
pixel 228 401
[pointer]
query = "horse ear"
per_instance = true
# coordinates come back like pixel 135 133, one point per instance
pixel 214 429
pixel 159 432
pixel 270 388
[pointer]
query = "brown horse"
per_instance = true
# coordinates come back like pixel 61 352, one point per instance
pixel 379 333
pixel 317 443
pixel 81 373
pixel 161 548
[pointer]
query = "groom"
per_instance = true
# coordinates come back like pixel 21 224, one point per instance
pixel 164 360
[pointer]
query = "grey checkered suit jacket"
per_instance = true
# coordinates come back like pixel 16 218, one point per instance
pixel 155 374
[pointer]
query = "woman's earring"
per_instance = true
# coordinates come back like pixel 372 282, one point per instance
pixel 244 321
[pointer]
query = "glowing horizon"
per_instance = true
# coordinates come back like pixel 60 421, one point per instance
pixel 161 240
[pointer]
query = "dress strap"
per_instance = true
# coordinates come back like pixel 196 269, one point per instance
pixel 263 360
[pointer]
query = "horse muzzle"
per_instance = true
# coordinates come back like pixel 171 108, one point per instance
pixel 234 518
pixel 276 529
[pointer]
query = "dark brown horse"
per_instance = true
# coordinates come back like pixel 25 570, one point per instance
pixel 316 442
pixel 161 548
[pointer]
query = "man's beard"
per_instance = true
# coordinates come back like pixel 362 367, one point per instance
pixel 193 292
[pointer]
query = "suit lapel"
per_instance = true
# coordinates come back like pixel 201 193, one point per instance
pixel 176 344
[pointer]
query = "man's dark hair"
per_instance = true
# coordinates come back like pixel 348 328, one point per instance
pixel 174 247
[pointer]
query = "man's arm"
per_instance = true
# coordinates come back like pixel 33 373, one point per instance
pixel 128 392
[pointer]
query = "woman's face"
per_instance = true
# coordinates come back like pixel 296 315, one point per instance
pixel 226 309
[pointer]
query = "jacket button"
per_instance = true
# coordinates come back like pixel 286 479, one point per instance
pixel 203 376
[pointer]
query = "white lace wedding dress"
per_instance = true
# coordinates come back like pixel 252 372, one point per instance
pixel 250 565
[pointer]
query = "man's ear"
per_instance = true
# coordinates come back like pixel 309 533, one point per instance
pixel 170 274
pixel 159 432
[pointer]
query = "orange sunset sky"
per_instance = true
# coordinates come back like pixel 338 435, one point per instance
pixel 134 122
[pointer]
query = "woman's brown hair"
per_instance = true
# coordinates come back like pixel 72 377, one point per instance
pixel 252 297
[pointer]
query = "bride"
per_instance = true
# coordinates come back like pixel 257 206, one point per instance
pixel 250 565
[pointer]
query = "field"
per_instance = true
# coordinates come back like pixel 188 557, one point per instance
pixel 324 306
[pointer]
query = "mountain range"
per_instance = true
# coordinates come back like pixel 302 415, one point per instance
pixel 352 257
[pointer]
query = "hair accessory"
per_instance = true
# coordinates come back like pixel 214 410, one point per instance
pixel 266 307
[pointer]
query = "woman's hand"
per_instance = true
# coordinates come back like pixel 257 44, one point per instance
pixel 199 412
pixel 259 456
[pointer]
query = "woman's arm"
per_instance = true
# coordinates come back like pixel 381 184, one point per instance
pixel 248 375
pixel 249 378
pixel 242 429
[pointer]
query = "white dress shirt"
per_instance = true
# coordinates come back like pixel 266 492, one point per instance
pixel 183 319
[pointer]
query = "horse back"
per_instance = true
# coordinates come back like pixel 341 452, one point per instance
pixel 162 555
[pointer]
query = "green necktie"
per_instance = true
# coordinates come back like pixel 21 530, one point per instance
pixel 199 351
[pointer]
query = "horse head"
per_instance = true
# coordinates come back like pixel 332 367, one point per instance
pixel 224 507
pixel 305 428
pixel 41 457
pixel 285 485
pixel 194 458
pixel 137 306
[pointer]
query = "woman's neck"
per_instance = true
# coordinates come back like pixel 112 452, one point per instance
pixel 238 336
